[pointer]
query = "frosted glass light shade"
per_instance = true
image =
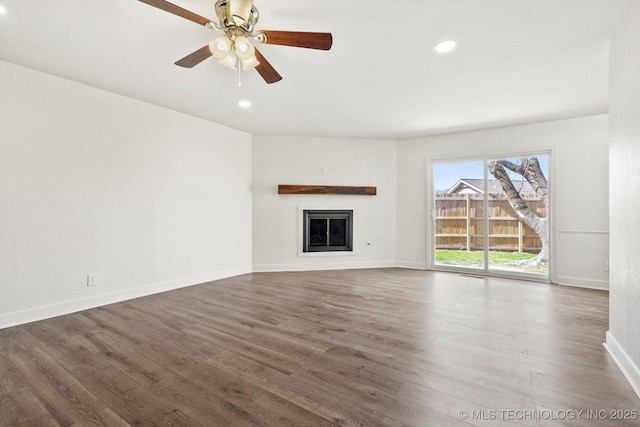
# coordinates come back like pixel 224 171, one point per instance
pixel 229 61
pixel 244 48
pixel 220 47
pixel 250 62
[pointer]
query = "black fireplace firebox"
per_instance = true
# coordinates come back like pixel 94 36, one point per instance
pixel 328 230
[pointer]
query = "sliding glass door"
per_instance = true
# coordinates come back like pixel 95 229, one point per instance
pixel 490 215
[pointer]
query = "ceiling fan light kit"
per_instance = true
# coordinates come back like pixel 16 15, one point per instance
pixel 234 48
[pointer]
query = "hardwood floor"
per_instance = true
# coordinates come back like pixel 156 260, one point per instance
pixel 380 347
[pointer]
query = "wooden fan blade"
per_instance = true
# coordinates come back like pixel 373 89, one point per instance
pixel 177 10
pixel 241 8
pixel 195 58
pixel 322 41
pixel 268 73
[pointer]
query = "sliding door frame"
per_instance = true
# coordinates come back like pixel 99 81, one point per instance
pixel 486 271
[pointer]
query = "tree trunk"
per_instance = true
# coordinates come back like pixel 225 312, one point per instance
pixel 530 170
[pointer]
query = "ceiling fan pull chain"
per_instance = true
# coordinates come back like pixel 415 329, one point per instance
pixel 238 64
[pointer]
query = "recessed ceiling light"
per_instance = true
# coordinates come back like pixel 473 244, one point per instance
pixel 244 103
pixel 445 46
pixel 2 10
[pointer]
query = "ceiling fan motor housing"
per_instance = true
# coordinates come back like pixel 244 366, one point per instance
pixel 228 19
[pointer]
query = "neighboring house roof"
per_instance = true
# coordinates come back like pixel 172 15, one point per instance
pixel 476 186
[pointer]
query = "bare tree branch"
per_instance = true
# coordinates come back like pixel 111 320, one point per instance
pixel 533 173
pixel 519 205
pixel 530 170
pixel 511 166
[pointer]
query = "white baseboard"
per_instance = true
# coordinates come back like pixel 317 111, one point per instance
pixel 412 265
pixel 71 306
pixel 627 366
pixel 581 282
pixel 264 268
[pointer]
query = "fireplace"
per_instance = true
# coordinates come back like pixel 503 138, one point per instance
pixel 327 230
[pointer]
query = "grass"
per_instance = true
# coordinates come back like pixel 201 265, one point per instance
pixel 497 260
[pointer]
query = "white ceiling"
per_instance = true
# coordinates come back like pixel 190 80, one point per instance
pixel 518 61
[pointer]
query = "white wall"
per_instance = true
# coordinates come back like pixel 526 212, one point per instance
pixel 294 160
pixel 93 182
pixel 579 190
pixel 623 338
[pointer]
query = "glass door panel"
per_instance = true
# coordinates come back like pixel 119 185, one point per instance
pixel 338 232
pixel 518 230
pixel 318 232
pixel 459 214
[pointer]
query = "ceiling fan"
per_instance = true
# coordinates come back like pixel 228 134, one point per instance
pixel 233 48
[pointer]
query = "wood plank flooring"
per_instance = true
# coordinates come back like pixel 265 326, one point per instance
pixel 379 347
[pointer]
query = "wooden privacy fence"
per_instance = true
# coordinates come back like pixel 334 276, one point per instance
pixel 459 223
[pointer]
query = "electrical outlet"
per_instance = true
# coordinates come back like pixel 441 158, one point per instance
pixel 606 266
pixel 92 279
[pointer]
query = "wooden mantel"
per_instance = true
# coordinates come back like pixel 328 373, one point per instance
pixel 326 189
